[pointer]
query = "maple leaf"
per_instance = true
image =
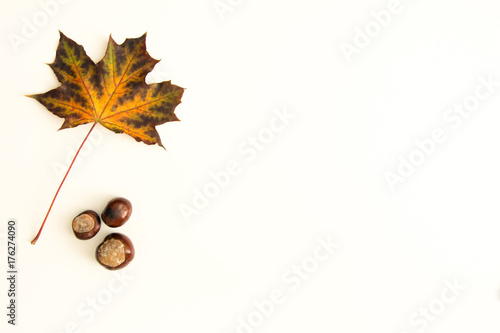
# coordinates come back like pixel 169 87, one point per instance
pixel 112 93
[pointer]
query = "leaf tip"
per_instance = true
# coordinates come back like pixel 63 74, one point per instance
pixel 159 143
pixel 34 96
pixel 61 35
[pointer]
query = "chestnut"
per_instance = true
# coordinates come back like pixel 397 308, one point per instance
pixel 86 225
pixel 115 252
pixel 117 212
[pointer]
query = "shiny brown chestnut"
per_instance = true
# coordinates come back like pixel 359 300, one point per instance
pixel 115 252
pixel 86 225
pixel 117 212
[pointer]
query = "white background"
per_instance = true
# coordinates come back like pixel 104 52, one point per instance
pixel 321 176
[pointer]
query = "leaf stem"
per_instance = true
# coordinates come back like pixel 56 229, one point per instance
pixel 33 242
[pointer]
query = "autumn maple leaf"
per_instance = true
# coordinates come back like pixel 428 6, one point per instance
pixel 112 92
